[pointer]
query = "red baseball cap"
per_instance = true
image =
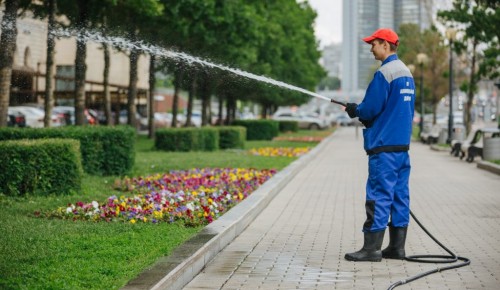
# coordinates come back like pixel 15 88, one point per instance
pixel 385 34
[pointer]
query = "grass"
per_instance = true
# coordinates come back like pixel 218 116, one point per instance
pixel 39 253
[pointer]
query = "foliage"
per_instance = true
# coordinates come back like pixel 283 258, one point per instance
pixel 478 20
pixel 288 126
pixel 232 137
pixel 104 150
pixel 259 129
pixel 62 254
pixel 430 42
pixel 187 139
pixel 40 167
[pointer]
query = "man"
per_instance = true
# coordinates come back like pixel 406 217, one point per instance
pixel 387 113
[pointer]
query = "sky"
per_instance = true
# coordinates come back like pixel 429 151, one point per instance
pixel 328 26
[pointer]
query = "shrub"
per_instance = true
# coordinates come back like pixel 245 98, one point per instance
pixel 259 129
pixel 289 126
pixel 187 139
pixel 104 150
pixel 232 137
pixel 40 167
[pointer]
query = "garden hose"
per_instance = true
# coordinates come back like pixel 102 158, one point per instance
pixel 452 258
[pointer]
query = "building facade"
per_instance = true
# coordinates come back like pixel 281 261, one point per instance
pixel 28 74
pixel 330 59
pixel 360 19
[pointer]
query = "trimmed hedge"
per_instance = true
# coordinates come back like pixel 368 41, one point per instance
pixel 288 126
pixel 105 150
pixel 40 167
pixel 232 137
pixel 259 129
pixel 187 139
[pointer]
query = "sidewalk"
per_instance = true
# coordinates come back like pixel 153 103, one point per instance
pixel 299 240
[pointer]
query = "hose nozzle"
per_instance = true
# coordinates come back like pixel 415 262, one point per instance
pixel 337 102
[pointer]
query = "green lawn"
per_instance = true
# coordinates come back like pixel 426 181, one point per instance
pixel 38 253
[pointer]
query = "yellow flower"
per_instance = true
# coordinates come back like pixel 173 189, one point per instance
pixel 157 214
pixel 132 221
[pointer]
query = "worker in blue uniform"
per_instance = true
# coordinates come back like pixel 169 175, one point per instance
pixel 387 112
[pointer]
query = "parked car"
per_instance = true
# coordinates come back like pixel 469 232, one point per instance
pixel 16 120
pixel 305 121
pixel 142 122
pixel 344 120
pixel 195 118
pixel 68 114
pixel 34 116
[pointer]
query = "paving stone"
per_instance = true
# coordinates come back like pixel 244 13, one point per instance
pixel 300 239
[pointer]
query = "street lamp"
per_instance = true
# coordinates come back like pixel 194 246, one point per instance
pixel 421 60
pixel 450 34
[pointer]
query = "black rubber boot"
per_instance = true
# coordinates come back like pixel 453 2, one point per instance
pixel 371 248
pixel 396 248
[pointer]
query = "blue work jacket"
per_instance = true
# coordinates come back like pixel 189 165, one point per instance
pixel 388 108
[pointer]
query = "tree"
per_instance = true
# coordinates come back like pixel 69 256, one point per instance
pixel 49 70
pixel 131 17
pixel 8 45
pixel 432 44
pixel 478 20
pixel 47 9
pixel 288 52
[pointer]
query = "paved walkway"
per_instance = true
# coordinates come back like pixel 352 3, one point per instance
pixel 299 240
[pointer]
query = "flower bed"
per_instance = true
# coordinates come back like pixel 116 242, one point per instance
pixel 196 197
pixel 280 151
pixel 299 138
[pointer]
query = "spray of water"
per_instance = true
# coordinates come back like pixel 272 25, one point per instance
pixel 179 56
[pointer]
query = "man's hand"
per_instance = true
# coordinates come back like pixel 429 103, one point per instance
pixel 350 108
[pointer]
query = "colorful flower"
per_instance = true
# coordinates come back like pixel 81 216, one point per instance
pixel 196 197
pixel 280 151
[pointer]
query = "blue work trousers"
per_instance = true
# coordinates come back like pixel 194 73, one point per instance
pixel 387 191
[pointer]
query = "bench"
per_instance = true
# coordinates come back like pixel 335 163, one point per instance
pixel 431 135
pixel 457 144
pixel 475 148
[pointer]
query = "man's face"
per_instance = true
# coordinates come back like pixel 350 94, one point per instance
pixel 379 49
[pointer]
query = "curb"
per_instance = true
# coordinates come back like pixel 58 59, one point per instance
pixel 439 148
pixel 489 166
pixel 187 260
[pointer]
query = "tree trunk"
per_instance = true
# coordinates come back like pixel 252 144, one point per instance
pixel 132 88
pixel 205 99
pixel 179 74
pixel 192 93
pixel 152 81
pixel 80 66
pixel 231 109
pixel 8 45
pixel 220 121
pixel 49 71
pixel 107 94
pixel 471 90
